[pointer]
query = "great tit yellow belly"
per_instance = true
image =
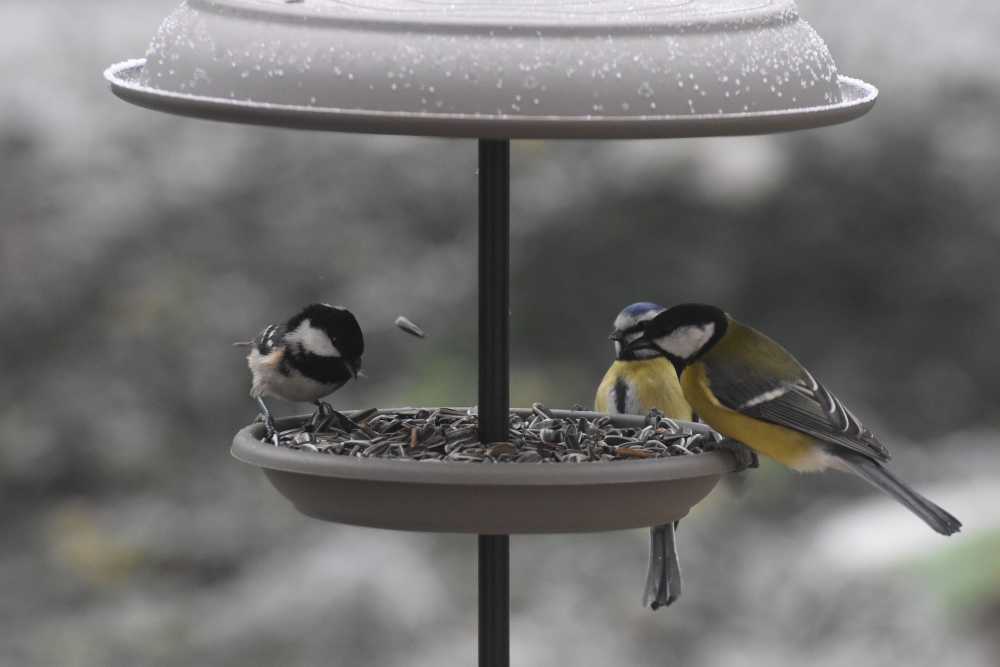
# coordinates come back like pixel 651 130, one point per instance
pixel 749 388
pixel 791 448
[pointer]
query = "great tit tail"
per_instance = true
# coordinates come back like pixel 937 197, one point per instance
pixel 878 476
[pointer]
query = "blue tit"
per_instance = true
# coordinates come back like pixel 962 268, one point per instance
pixel 640 380
pixel 749 388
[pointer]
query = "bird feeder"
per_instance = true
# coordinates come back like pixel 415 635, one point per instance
pixel 493 70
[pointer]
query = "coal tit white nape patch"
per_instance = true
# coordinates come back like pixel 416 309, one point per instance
pixel 308 357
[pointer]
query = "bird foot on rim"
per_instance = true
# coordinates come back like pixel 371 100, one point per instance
pixel 745 457
pixel 270 429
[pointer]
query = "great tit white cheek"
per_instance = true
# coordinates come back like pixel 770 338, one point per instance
pixel 685 342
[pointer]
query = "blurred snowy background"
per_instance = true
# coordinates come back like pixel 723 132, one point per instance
pixel 135 246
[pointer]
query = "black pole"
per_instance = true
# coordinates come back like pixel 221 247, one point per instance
pixel 494 384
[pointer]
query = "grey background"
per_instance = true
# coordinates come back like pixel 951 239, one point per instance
pixel 134 247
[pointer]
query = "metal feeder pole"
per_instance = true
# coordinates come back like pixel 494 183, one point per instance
pixel 494 384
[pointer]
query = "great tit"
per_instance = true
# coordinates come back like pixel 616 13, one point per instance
pixel 308 357
pixel 641 380
pixel 749 388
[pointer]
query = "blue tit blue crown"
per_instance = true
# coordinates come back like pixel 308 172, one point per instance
pixel 640 308
pixel 636 313
pixel 630 325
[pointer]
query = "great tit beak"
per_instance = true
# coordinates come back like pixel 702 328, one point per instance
pixel 354 367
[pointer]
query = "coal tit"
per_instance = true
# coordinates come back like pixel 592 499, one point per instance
pixel 310 356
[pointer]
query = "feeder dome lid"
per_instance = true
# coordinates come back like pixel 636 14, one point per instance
pixel 496 68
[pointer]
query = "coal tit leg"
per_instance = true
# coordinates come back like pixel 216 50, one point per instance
pixel 272 431
pixel 321 418
pixel 325 415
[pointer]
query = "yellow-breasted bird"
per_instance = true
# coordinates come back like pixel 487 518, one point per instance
pixel 749 388
pixel 640 380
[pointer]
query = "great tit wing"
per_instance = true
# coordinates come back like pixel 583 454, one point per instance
pixel 790 397
pixel 811 408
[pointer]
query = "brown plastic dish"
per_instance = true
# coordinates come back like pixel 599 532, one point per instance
pixel 487 498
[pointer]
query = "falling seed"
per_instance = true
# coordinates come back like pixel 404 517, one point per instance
pixel 409 327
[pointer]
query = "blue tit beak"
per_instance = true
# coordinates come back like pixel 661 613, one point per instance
pixel 616 338
pixel 639 343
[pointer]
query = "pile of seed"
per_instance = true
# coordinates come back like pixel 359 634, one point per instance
pixel 448 434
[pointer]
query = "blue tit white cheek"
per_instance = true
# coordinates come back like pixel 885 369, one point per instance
pixel 618 348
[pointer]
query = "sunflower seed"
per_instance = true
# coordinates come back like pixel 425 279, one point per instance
pixel 450 434
pixel 409 327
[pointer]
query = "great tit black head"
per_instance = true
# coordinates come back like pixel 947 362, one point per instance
pixel 629 327
pixel 682 333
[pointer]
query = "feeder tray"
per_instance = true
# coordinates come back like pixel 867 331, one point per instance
pixel 496 69
pixel 488 498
